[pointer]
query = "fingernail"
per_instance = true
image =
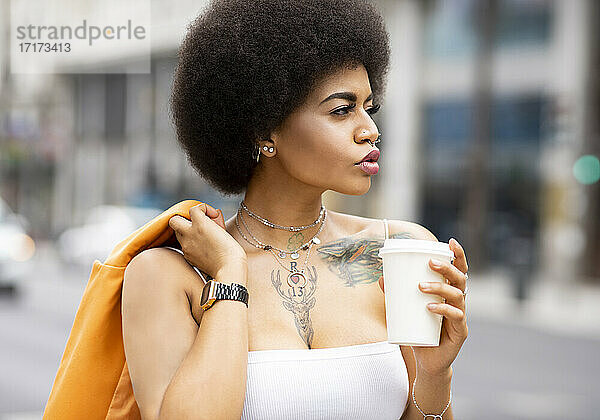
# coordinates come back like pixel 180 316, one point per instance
pixel 436 262
pixel 455 241
pixel 425 285
pixel 432 305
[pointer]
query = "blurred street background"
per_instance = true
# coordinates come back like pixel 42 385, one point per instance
pixel 490 134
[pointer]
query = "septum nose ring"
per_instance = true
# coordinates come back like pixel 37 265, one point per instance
pixel 373 142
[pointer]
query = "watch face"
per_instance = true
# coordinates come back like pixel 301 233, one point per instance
pixel 206 293
pixel 214 290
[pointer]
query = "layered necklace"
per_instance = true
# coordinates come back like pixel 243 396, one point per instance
pixel 296 277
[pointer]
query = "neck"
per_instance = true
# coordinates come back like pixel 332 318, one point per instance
pixel 285 203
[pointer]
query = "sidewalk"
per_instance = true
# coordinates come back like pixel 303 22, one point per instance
pixel 571 309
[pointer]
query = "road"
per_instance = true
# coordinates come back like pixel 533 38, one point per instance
pixel 503 372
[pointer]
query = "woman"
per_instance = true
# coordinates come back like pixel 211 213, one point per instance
pixel 274 98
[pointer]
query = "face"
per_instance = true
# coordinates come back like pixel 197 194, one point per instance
pixel 320 143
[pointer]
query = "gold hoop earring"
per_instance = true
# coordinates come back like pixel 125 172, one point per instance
pixel 256 153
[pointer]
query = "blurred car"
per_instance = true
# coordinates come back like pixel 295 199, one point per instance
pixel 104 227
pixel 16 248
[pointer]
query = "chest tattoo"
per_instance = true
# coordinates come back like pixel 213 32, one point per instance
pixel 296 240
pixel 298 298
pixel 355 260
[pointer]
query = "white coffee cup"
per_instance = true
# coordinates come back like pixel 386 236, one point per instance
pixel 405 265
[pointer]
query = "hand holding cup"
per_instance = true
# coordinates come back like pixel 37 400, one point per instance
pixel 436 333
pixel 454 326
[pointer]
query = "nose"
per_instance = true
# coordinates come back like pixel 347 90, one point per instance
pixel 368 132
pixel 368 136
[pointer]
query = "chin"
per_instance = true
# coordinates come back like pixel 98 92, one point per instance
pixel 356 188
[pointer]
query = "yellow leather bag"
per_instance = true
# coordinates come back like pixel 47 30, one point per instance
pixel 93 381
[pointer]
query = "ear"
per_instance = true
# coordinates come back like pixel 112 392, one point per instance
pixel 267 141
pixel 276 136
pixel 267 147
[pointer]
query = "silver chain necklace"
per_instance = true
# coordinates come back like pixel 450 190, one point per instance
pixel 295 278
pixel 290 228
pixel 282 253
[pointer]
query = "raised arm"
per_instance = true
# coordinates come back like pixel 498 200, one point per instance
pixel 179 370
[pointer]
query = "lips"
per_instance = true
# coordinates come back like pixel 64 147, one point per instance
pixel 372 156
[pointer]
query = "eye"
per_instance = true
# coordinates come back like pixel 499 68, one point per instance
pixel 345 109
pixel 373 109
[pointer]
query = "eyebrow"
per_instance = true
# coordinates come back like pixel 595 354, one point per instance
pixel 344 95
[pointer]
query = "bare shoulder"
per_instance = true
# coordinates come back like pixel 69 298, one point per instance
pixel 158 325
pixel 375 227
pixel 397 228
pixel 172 273
pixel 410 230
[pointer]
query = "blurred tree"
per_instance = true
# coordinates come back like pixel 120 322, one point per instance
pixel 478 197
pixel 591 135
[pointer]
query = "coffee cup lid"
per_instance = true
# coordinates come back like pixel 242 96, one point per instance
pixel 416 245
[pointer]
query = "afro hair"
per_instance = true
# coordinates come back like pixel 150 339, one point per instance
pixel 245 65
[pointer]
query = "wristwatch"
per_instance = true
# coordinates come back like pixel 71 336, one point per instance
pixel 215 290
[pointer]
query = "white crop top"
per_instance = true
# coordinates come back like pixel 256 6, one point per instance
pixel 363 381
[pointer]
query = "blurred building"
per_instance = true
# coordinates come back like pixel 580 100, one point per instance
pixel 490 104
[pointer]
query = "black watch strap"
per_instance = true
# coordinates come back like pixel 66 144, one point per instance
pixel 214 290
pixel 233 291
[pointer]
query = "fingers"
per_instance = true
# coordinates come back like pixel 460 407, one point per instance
pixel 179 224
pixel 211 211
pixel 198 212
pixel 460 260
pixel 449 311
pixel 454 274
pixel 452 294
pixel 220 219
